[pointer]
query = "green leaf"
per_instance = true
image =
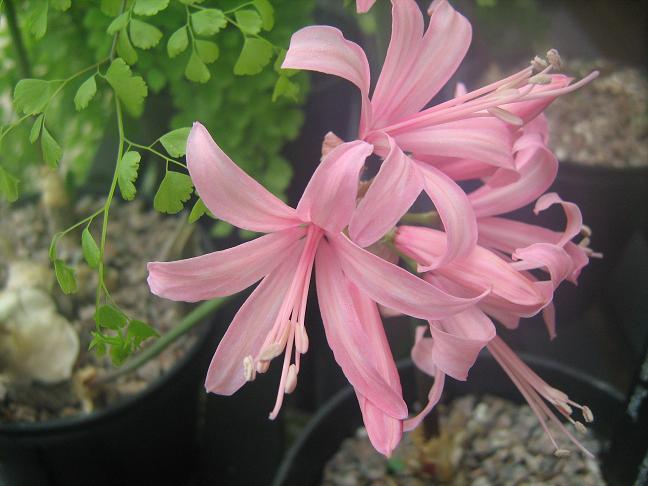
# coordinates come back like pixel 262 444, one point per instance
pixel 119 353
pixel 38 25
pixel 36 128
pixel 51 149
pixel 139 331
pixel 65 277
pixel 248 21
pixel 198 211
pixel 98 343
pixel 125 49
pixel 207 51
pixel 285 87
pixel 144 35
pixel 130 89
pixel 266 10
pixel 90 249
pixel 8 185
pixel 174 191
pixel 221 229
pixel 109 316
pixel 247 234
pixel 85 93
pixel 118 24
pixel 208 21
pixel 255 55
pixel 150 7
pixel 31 95
pixel 175 142
pixel 127 174
pixel 111 7
pixel 61 5
pixel 196 70
pixel 178 42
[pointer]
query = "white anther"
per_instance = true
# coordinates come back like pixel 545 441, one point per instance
pixel 262 366
pixel 587 414
pixel 540 79
pixel 505 116
pixel 586 231
pixel 248 368
pixel 585 242
pixel 561 453
pixel 554 59
pixel 291 379
pixel 271 351
pixel 538 64
pixel 301 338
pixel 580 427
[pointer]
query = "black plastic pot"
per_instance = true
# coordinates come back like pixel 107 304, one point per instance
pixel 340 416
pixel 148 438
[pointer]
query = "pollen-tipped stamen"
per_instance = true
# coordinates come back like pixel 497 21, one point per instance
pixel 534 389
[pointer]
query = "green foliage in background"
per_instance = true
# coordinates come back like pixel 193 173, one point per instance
pixel 71 72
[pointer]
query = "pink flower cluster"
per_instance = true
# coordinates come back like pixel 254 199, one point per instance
pixel 474 266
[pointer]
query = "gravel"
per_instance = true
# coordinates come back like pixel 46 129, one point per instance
pixel 482 442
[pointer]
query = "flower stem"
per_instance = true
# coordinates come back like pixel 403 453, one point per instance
pixel 428 218
pixel 16 38
pixel 111 193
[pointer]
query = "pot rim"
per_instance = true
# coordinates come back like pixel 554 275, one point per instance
pixel 79 421
pixel 570 165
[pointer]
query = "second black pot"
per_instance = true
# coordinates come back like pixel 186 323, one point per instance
pixel 340 417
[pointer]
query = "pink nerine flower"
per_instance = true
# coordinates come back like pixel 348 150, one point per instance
pixel 350 281
pixel 479 126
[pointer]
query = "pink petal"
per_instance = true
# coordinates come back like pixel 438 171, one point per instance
pixel 458 169
pixel 422 352
pixel 529 110
pixel 487 140
pixel 384 431
pixel 574 217
pixel 479 271
pixel 549 317
pixel 455 211
pixel 330 197
pixel 416 66
pixel 363 6
pixel 457 340
pixel 324 49
pixel 247 332
pixel 507 236
pixel 394 287
pixel 231 194
pixel 223 272
pixel 547 256
pixel 348 338
pixel 507 319
pixel 433 398
pixel 391 194
pixel 537 167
